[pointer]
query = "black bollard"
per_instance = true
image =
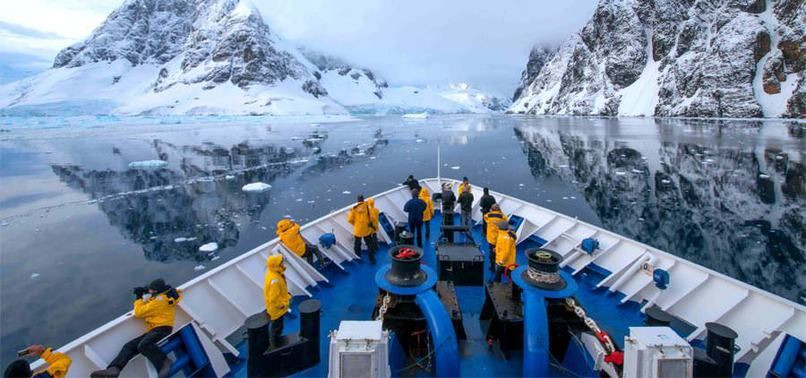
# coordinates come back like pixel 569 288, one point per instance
pixel 309 328
pixel 720 341
pixel 257 330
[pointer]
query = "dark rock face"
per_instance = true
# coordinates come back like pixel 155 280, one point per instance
pixel 537 58
pixel 709 204
pixel 701 55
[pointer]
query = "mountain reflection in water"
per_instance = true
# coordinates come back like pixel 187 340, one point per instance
pixel 172 211
pixel 734 208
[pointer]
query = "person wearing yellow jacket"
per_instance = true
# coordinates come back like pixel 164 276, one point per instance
pixel 57 363
pixel 464 184
pixel 289 234
pixel 275 293
pixel 158 312
pixel 491 219
pixel 425 195
pixel 375 218
pixel 505 249
pixel 361 218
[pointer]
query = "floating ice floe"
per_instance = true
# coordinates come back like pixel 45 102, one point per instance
pixel 346 192
pixel 521 184
pixel 34 275
pixel 763 175
pixel 415 115
pixel 256 187
pixel 4 224
pixel 229 177
pixel 214 258
pixel 456 167
pixel 665 181
pixel 148 164
pixel 184 239
pixel 209 247
pixel 199 267
pixel 419 141
pixel 620 173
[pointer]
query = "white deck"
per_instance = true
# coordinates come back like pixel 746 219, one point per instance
pixel 220 300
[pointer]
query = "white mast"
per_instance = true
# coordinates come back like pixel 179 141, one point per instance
pixel 439 165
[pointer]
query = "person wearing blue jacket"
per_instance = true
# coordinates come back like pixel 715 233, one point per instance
pixel 415 208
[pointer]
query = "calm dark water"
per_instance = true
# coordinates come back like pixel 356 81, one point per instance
pixel 80 228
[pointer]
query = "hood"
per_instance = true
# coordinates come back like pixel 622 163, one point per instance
pixel 283 225
pixel 371 202
pixel 275 263
pixel 424 193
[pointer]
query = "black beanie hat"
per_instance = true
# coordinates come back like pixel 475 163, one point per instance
pixel 158 285
pixel 17 369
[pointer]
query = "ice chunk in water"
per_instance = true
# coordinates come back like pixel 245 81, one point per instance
pixel 199 267
pixel 34 275
pixel 148 164
pixel 415 115
pixel 346 192
pixel 256 187
pixel 209 247
pixel 456 167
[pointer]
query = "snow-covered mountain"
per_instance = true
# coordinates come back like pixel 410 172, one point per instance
pixel 701 58
pixel 205 57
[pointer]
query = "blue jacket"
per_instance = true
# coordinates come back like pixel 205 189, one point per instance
pixel 415 208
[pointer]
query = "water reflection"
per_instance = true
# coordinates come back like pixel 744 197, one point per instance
pixel 171 211
pixel 197 197
pixel 737 208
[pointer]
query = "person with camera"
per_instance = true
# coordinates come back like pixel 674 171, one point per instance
pixel 58 363
pixel 290 236
pixel 158 311
pixel 415 208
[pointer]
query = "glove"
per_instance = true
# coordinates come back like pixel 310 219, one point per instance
pixel 139 291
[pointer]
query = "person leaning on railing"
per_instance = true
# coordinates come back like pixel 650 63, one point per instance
pixel 58 363
pixel 158 312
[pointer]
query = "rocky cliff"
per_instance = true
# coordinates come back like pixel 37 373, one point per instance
pixel 697 58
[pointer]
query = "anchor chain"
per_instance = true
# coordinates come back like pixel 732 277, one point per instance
pixel 384 306
pixel 613 355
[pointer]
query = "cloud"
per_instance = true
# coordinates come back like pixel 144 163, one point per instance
pixel 419 42
pixel 26 31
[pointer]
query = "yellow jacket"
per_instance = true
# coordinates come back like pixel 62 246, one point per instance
pixel 275 290
pixel 290 236
pixel 505 248
pixel 374 215
pixel 359 217
pixel 58 363
pixel 157 311
pixel 491 219
pixel 425 195
pixel 462 188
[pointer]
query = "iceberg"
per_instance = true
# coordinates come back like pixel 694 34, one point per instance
pixel 416 115
pixel 209 247
pixel 256 187
pixel 148 164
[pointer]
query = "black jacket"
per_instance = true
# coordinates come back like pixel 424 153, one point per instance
pixel 466 201
pixel 487 201
pixel 448 201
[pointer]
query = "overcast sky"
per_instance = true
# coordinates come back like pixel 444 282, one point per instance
pixel 482 42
